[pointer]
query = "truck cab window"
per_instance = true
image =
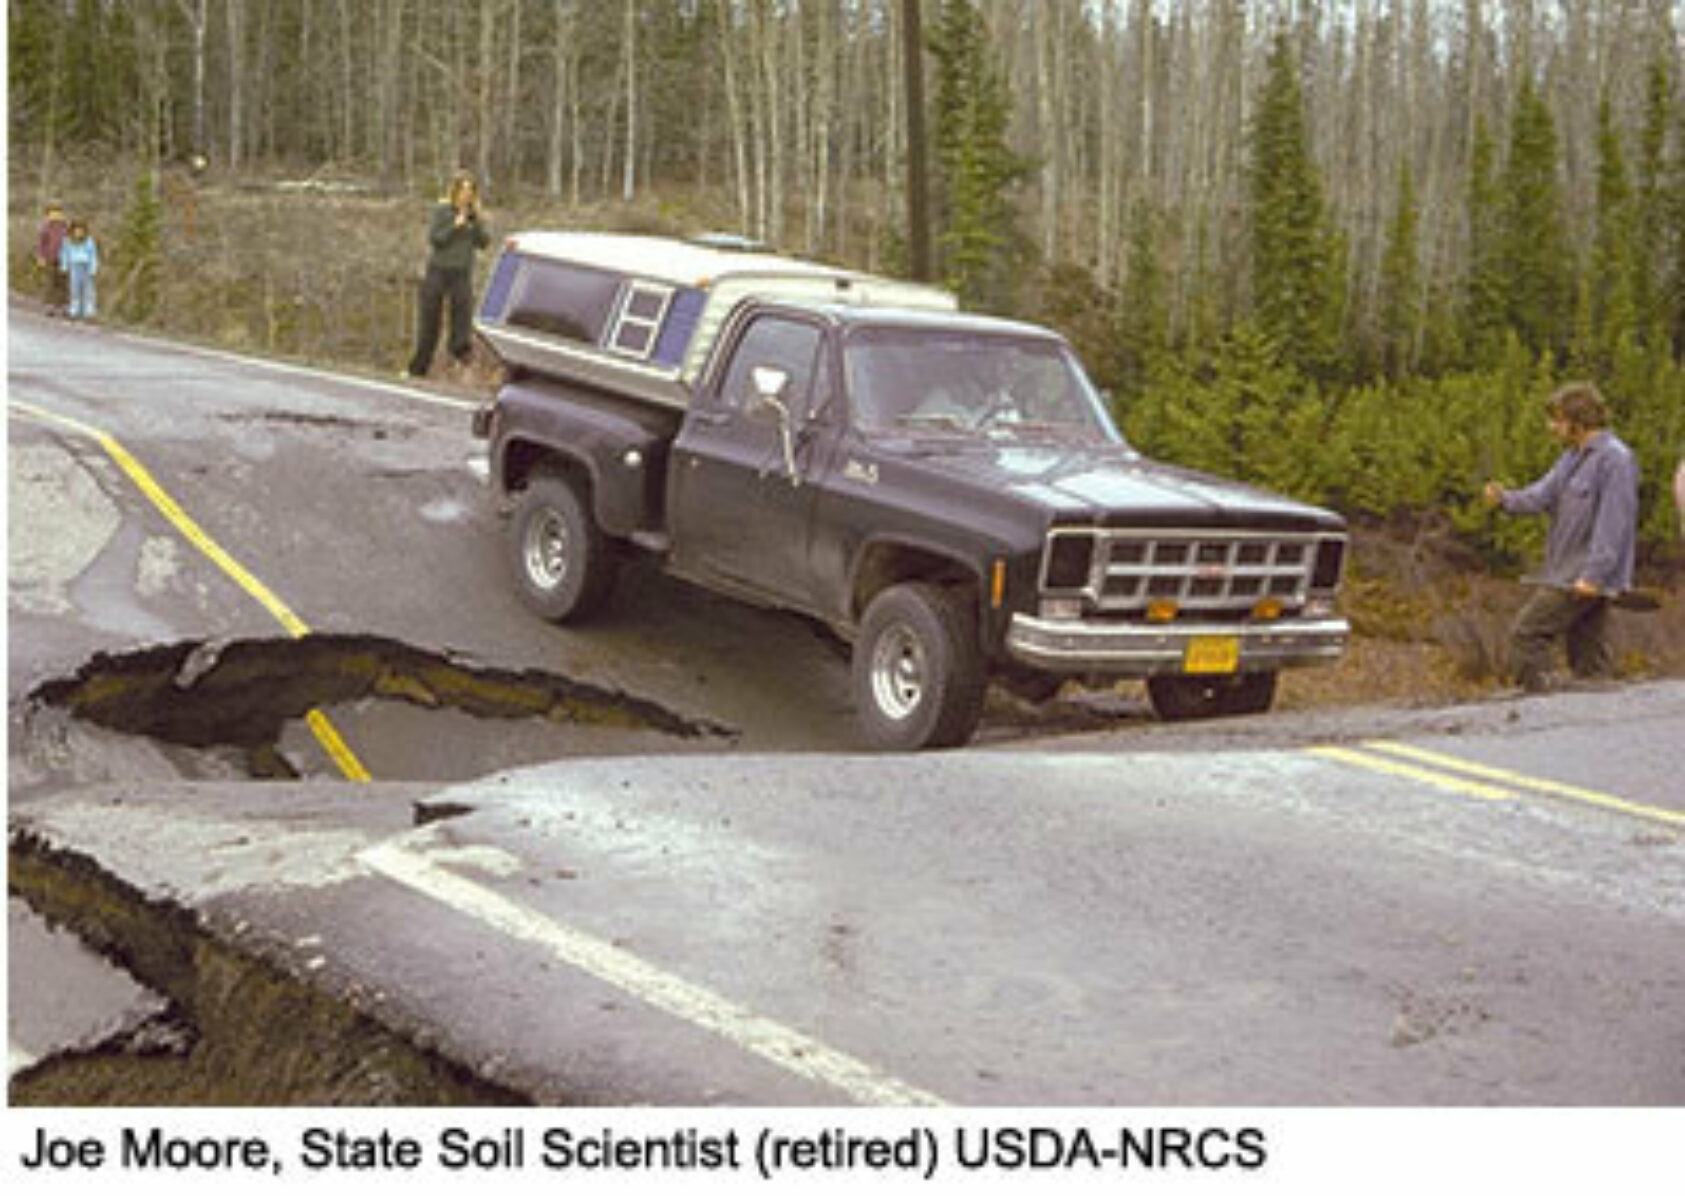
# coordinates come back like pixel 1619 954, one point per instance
pixel 782 344
pixel 915 381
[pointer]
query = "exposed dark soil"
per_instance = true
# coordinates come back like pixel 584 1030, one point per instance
pixel 1431 625
pixel 218 1044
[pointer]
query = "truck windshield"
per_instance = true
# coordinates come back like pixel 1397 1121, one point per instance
pixel 917 381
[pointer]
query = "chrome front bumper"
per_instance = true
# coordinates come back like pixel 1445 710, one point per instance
pixel 1143 649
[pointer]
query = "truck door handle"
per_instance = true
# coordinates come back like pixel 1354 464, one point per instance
pixel 712 418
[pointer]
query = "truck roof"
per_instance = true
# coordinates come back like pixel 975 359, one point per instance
pixel 916 318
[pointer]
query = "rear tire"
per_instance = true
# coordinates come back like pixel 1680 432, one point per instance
pixel 918 671
pixel 1180 698
pixel 564 566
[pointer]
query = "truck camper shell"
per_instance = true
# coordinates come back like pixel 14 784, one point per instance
pixel 638 315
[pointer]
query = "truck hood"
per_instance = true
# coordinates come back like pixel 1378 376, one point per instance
pixel 1107 484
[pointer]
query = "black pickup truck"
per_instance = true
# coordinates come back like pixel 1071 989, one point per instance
pixel 945 492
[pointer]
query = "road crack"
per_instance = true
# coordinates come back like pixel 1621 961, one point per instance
pixel 242 694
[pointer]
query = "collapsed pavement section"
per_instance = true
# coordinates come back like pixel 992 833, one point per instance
pixel 193 1011
pixel 241 698
pixel 232 1016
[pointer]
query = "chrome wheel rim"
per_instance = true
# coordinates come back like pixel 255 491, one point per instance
pixel 900 670
pixel 547 550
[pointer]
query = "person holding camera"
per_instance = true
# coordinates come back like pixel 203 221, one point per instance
pixel 455 230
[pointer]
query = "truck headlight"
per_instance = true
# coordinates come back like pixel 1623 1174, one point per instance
pixel 1330 556
pixel 1070 560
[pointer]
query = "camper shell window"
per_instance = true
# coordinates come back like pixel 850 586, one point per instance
pixel 640 318
pixel 564 300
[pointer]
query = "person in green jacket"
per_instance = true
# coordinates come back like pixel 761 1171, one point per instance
pixel 455 230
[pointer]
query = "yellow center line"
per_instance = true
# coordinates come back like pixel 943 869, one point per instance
pixel 1482 781
pixel 1538 784
pixel 326 734
pixel 1412 772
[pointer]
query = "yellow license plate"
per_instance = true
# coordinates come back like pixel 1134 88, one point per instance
pixel 1212 654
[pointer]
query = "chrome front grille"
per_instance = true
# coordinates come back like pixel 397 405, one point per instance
pixel 1206 570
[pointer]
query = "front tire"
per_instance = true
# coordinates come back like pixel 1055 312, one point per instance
pixel 563 564
pixel 918 671
pixel 1252 693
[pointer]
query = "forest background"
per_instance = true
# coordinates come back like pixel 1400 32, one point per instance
pixel 1342 248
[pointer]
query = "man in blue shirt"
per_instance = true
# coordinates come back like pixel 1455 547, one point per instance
pixel 1591 496
pixel 1679 493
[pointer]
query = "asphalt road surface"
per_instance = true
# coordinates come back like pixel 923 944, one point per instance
pixel 643 862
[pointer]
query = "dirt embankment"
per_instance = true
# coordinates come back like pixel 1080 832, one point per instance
pixel 1432 623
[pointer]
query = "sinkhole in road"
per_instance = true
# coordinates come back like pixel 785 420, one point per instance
pixel 407 712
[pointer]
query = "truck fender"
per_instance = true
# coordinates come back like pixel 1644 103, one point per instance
pixel 619 448
pixel 884 561
pixel 520 458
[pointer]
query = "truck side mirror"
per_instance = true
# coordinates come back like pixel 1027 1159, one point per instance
pixel 770 383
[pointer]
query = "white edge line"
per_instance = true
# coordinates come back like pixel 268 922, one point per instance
pixel 777 1044
pixel 282 367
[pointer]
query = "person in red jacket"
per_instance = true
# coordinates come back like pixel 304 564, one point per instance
pixel 55 283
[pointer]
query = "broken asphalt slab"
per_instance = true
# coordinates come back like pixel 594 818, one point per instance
pixel 976 928
pixel 95 1003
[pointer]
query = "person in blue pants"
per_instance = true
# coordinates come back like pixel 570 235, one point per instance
pixel 79 259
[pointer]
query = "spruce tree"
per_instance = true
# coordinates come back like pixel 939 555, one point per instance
pixel 1483 304
pixel 1538 282
pixel 1296 283
pixel 1673 246
pixel 35 67
pixel 1650 221
pixel 1401 302
pixel 140 250
pixel 1143 321
pixel 976 237
pixel 88 84
pixel 1614 309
